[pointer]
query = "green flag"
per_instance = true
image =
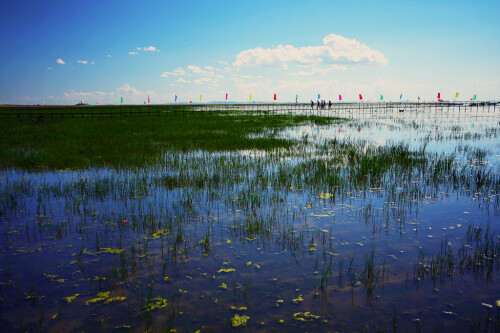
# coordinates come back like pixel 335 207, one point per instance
pixel 474 98
pixel 121 100
pixel 381 97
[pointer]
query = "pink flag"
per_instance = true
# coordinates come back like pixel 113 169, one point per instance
pixel 340 97
pixel 148 99
pixel 226 97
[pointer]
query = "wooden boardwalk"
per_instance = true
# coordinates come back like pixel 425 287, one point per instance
pixel 347 110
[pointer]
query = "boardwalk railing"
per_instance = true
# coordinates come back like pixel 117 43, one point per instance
pixel 349 110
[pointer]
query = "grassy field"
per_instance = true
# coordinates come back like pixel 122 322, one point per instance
pixel 131 140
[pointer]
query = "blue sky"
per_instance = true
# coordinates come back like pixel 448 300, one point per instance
pixel 61 52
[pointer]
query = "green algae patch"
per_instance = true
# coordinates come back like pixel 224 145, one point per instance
pixel 324 196
pixel 70 299
pixel 241 308
pixel 108 250
pixel 155 303
pixel 100 297
pixel 305 316
pixel 298 299
pixel 114 299
pixel 239 321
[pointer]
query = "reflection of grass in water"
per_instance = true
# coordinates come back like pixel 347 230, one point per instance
pixel 60 143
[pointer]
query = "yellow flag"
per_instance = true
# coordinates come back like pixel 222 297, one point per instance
pixel 200 97
pixel 456 95
pixel 250 96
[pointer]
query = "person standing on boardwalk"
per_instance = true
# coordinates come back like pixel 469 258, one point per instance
pixel 329 105
pixel 317 107
pixel 312 104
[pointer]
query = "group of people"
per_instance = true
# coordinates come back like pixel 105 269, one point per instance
pixel 321 104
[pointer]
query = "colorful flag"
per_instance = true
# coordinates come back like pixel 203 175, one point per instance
pixel 381 97
pixel 400 96
pixel 419 98
pixel 250 96
pixel 148 100
pixel 319 96
pixel 274 96
pixel 201 97
pixel 360 97
pixel 456 95
pixel 439 96
pixel 340 97
pixel 296 97
pixel 175 98
pixel 226 97
pixel 121 101
pixel 474 98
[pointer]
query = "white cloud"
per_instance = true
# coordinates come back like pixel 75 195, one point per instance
pixel 222 62
pixel 150 49
pixel 74 96
pixel 133 53
pixel 108 55
pixel 207 75
pixel 49 68
pixel 196 70
pixel 175 72
pixel 82 62
pixel 147 49
pixel 336 49
pixel 202 80
pixel 127 89
pixel 77 94
pixel 60 61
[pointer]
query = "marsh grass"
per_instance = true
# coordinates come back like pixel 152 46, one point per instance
pixel 131 141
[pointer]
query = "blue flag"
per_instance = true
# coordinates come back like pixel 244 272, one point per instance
pixel 400 96
pixel 319 96
pixel 176 98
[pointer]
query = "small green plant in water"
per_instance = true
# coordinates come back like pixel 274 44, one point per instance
pixel 239 321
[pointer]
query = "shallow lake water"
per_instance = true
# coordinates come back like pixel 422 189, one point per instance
pixel 266 241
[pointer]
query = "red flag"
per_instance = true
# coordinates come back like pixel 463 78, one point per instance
pixel 360 97
pixel 274 96
pixel 148 99
pixel 439 95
